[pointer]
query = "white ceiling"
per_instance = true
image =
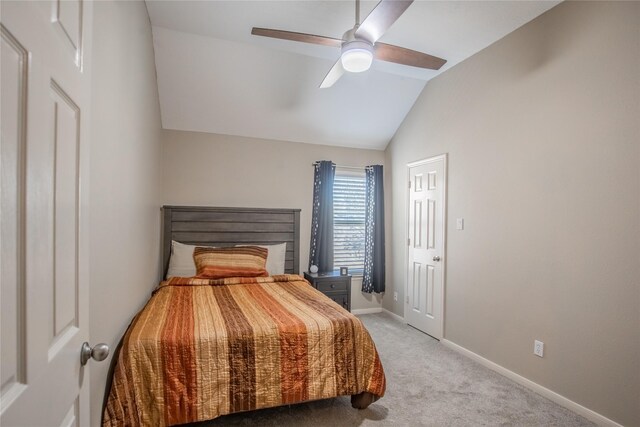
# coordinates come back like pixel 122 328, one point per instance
pixel 214 76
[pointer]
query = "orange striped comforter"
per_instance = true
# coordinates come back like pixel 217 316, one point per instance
pixel 202 348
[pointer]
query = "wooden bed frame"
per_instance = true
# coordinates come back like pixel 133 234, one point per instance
pixel 221 227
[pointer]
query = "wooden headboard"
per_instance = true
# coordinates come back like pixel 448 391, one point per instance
pixel 213 226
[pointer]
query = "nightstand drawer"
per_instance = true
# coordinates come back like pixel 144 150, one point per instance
pixel 332 285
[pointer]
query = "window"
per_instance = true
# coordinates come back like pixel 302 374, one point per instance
pixel 348 220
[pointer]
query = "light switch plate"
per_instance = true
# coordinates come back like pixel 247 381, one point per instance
pixel 538 348
pixel 460 224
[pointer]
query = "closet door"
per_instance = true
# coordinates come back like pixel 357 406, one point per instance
pixel 424 307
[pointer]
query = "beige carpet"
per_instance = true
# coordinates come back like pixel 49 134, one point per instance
pixel 427 385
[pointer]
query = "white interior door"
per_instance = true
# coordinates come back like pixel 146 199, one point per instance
pixel 426 239
pixel 45 93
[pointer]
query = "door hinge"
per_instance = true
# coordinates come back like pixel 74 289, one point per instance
pixel 407 299
pixel 408 242
pixel 409 184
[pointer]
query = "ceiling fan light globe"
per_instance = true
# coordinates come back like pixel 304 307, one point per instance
pixel 356 60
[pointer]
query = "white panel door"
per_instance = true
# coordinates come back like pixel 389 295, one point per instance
pixel 43 224
pixel 424 307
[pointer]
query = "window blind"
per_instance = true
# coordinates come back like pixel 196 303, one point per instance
pixel 348 221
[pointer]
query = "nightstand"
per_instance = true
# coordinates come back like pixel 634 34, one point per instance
pixel 333 285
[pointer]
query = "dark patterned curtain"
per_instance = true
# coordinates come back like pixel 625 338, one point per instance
pixel 374 269
pixel 321 250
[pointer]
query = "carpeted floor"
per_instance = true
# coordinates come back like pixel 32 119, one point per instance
pixel 427 385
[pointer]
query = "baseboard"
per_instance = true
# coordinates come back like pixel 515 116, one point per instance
pixel 366 310
pixel 541 390
pixel 395 316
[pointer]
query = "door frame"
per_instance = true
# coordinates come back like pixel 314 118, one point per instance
pixel 445 157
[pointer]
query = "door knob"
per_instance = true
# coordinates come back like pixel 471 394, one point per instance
pixel 98 353
pixel 436 258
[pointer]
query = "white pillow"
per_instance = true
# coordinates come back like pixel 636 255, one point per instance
pixel 181 262
pixel 275 257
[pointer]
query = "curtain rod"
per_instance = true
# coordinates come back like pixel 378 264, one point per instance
pixel 358 168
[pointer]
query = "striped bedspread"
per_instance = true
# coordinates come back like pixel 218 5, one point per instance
pixel 202 348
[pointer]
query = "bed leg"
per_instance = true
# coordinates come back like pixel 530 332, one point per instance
pixel 363 400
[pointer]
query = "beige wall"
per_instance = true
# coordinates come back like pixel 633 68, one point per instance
pixel 125 177
pixel 543 134
pixel 220 170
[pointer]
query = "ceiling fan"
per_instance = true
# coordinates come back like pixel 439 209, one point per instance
pixel 360 44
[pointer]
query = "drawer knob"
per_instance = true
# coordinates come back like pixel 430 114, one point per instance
pixel 333 286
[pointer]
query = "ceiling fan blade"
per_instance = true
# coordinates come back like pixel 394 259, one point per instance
pixel 400 55
pixel 296 37
pixel 333 75
pixel 381 18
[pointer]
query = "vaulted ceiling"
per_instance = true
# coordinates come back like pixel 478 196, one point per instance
pixel 214 76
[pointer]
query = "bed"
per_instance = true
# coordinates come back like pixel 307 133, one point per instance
pixel 206 347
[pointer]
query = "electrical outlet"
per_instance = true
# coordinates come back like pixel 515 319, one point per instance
pixel 395 296
pixel 538 348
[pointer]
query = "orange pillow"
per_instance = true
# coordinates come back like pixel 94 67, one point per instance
pixel 244 261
